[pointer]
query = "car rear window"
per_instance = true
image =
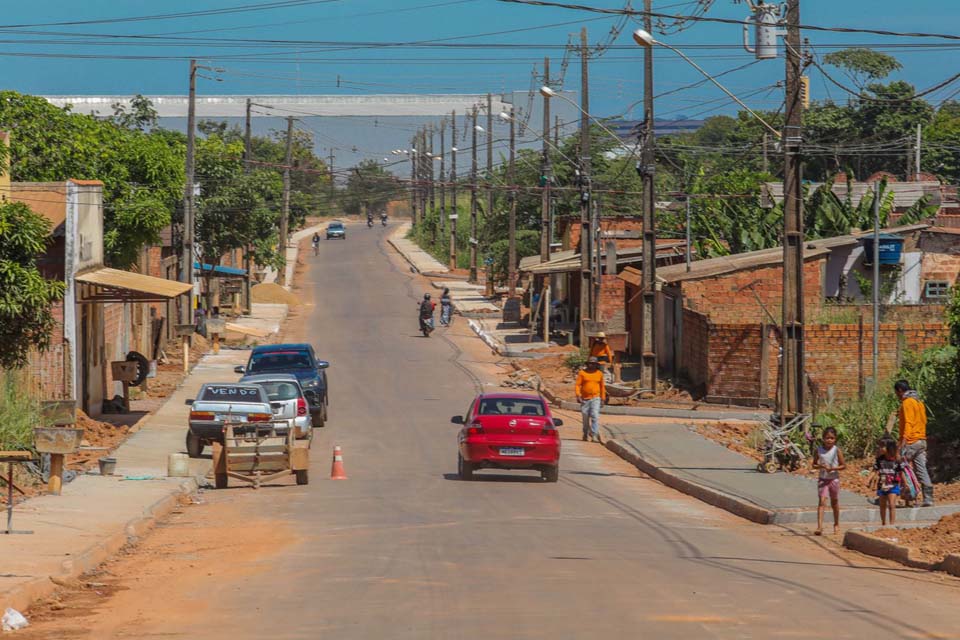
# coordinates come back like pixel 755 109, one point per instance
pixel 511 407
pixel 231 393
pixel 280 390
pixel 279 360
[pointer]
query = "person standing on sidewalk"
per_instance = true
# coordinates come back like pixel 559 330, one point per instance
pixel 600 349
pixel 912 422
pixel 446 307
pixel 829 460
pixel 591 392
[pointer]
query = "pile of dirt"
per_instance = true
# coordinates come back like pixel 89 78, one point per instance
pixel 272 293
pixel 104 436
pixel 736 436
pixel 554 374
pixel 933 542
pixel 562 349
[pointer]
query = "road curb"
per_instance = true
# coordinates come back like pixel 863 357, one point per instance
pixel 23 596
pixel 713 497
pixel 878 547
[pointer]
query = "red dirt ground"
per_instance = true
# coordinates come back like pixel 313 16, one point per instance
pixel 933 542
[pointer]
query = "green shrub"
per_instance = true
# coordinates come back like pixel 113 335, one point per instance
pixel 19 411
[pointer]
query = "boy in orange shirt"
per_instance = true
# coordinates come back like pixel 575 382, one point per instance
pixel 591 391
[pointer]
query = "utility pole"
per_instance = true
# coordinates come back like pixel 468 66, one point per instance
pixel 489 156
pixel 876 284
pixel 512 220
pixel 546 169
pixel 431 187
pixel 454 217
pixel 443 177
pixel 424 174
pixel 186 264
pixel 687 250
pixel 792 392
pixel 473 203
pixel 413 181
pixel 586 233
pixel 285 208
pixel 916 164
pixel 332 183
pixel 766 161
pixel 247 138
pixel 648 162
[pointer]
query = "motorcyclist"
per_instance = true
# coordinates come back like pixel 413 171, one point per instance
pixel 369 219
pixel 383 218
pixel 315 241
pixel 427 307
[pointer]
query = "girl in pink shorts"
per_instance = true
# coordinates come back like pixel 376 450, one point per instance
pixel 829 459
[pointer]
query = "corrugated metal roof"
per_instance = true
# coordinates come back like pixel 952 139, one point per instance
pixel 112 285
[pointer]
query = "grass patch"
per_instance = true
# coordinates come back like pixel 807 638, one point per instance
pixel 19 411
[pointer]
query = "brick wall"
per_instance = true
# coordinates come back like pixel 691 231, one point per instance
pixel 611 303
pixel 610 224
pixel 736 298
pixel 114 340
pixel 49 370
pixel 838 357
pixel 694 363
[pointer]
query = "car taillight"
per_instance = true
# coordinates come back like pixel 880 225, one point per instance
pixel 259 417
pixel 549 430
pixel 474 428
pixel 201 415
pixel 301 407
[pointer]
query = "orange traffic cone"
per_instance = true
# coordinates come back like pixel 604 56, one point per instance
pixel 336 471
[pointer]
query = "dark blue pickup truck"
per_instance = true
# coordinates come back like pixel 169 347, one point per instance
pixel 301 361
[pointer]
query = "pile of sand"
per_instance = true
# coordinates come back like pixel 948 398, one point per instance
pixel 933 542
pixel 272 293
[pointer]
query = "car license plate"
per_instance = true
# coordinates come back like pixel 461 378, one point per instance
pixel 511 451
pixel 223 417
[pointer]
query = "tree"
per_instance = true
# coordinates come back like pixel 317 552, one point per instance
pixel 141 114
pixel 369 188
pixel 26 297
pixel 863 65
pixel 142 173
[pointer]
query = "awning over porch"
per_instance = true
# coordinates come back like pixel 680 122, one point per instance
pixel 112 285
pixel 220 271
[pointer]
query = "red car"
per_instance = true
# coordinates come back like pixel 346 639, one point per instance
pixel 509 431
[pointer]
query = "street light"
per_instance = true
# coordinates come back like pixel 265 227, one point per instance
pixel 644 39
pixel 506 116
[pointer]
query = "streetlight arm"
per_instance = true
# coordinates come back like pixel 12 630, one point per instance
pixel 720 86
pixel 580 109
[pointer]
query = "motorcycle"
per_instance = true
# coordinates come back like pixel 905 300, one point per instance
pixel 426 326
pixel 383 220
pixel 369 223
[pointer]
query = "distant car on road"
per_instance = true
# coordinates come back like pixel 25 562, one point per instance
pixel 300 361
pixel 286 399
pixel 216 403
pixel 336 230
pixel 508 431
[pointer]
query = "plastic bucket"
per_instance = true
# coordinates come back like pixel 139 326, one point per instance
pixel 178 465
pixel 107 466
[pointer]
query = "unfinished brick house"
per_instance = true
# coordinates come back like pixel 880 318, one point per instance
pixel 718 321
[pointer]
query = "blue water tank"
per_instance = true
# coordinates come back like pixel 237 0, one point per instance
pixel 891 248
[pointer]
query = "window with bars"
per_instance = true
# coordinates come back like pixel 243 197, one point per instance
pixel 936 289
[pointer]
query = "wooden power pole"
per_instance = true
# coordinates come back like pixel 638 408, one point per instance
pixel 792 377
pixel 648 333
pixel 473 202
pixel 186 266
pixel 546 170
pixel 454 216
pixel 285 208
pixel 586 233
pixel 512 220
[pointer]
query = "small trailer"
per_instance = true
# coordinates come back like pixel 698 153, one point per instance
pixel 255 453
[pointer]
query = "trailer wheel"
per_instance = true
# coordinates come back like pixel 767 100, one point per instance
pixel 302 477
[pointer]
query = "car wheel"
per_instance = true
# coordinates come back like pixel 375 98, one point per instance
pixel 302 477
pixel 464 469
pixel 551 474
pixel 319 420
pixel 194 445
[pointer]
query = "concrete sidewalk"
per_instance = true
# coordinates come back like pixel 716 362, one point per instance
pixel 96 516
pixel 293 250
pixel 419 259
pixel 683 459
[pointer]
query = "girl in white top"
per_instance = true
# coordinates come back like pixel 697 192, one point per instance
pixel 829 459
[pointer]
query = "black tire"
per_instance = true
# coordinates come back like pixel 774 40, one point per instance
pixel 302 476
pixel 319 420
pixel 465 469
pixel 551 474
pixel 194 445
pixel 143 367
pixel 221 480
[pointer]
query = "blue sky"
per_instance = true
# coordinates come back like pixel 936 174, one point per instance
pixel 259 67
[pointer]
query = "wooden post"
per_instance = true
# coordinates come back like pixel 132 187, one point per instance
pixel 546 315
pixel 55 483
pixel 216 343
pixel 186 354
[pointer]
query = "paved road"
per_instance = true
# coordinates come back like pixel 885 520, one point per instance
pixel 404 550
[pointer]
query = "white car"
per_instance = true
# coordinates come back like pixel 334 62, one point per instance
pixel 287 400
